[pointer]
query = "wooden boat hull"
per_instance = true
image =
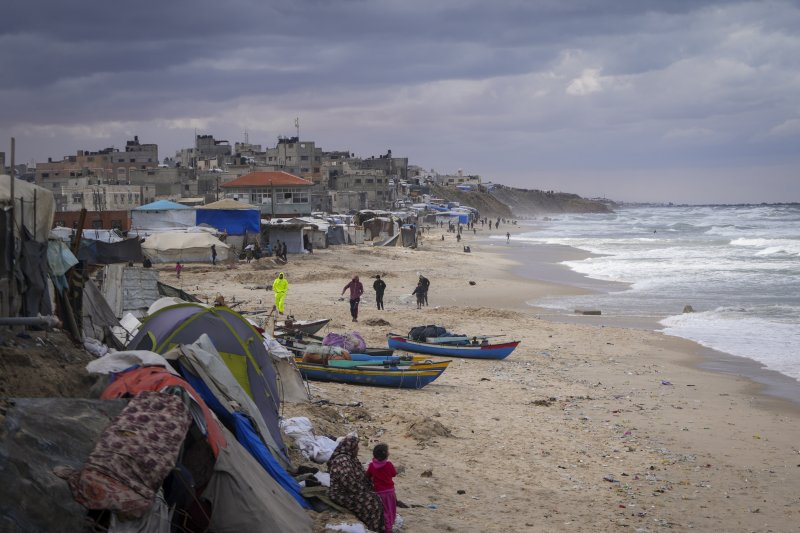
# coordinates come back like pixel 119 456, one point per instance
pixel 308 327
pixel 469 351
pixel 413 376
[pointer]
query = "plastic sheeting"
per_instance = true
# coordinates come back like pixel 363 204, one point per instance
pixel 40 218
pixel 170 247
pixel 233 221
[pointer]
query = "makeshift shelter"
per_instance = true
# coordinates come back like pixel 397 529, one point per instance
pixel 34 207
pixel 242 496
pixel 235 218
pixel 289 231
pixel 171 247
pixel 409 235
pixel 129 289
pixel 239 345
pixel 162 215
pixel 39 434
pixel 336 235
pixel 105 253
pixel 378 227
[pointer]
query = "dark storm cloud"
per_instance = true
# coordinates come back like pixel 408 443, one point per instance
pixel 507 89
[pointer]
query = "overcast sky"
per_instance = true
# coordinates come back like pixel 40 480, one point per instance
pixel 639 100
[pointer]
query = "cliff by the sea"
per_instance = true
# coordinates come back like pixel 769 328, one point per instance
pixel 510 202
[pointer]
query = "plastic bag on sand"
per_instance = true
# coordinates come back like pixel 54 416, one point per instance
pixel 318 449
pixel 352 342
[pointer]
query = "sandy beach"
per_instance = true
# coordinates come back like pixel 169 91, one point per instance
pixel 583 428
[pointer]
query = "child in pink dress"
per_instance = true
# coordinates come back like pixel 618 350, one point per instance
pixel 381 471
pixel 178 268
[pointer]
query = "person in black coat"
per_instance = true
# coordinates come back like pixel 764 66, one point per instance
pixel 379 287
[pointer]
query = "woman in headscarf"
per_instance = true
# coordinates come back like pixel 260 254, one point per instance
pixel 280 286
pixel 350 486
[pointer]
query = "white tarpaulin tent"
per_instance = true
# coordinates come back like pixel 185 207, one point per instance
pixel 171 247
pixel 40 216
pixel 162 215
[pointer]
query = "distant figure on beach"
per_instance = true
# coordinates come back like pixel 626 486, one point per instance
pixel 379 285
pixel 280 286
pixel 147 263
pixel 356 290
pixel 419 291
pixel 490 224
pixel 508 237
pixel 278 248
pixel 213 254
pixel 381 471
pixel 467 249
pixel 458 237
pixel 178 268
pixel 350 486
pixel 426 284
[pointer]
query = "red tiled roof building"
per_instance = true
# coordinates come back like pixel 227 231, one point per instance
pixel 277 193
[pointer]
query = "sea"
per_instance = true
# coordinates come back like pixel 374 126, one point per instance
pixel 737 266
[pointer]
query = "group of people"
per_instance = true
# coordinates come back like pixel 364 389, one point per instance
pixel 281 286
pixel 369 494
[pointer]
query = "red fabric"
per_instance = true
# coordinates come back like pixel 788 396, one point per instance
pixel 156 378
pixel 381 474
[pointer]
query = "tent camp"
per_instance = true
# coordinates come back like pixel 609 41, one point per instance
pixel 239 345
pixel 170 247
pixel 235 218
pixel 162 215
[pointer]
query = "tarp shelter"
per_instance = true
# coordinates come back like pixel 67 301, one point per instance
pixel 162 215
pixel 336 235
pixel 377 227
pixel 36 209
pixel 106 253
pixel 409 235
pixel 238 343
pixel 129 289
pixel 39 434
pixel 171 247
pixel 235 218
pixel 289 231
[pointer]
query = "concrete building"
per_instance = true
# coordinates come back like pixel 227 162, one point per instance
pixel 301 158
pixel 206 152
pixel 452 180
pixel 371 187
pixel 277 193
pixel 396 167
pixel 81 193
pixel 106 166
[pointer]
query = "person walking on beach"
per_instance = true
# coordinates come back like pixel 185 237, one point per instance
pixel 213 254
pixel 379 285
pixel 508 237
pixel 280 286
pixel 426 284
pixel 356 290
pixel 178 268
pixel 381 471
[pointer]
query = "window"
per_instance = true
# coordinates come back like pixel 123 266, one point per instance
pixel 357 181
pixel 370 180
pixel 45 174
pixel 288 158
pixel 133 160
pixel 116 224
pixel 97 224
pixel 303 158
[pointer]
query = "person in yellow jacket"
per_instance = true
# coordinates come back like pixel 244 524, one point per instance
pixel 280 286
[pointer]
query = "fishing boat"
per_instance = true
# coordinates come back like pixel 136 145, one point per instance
pixel 374 373
pixel 475 347
pixel 306 327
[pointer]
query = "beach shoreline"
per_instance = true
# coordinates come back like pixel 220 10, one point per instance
pixel 546 267
pixel 582 428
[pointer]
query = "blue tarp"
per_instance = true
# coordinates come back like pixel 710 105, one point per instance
pixel 161 205
pixel 247 437
pixel 234 221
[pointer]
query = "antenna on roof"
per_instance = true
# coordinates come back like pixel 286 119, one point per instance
pixel 297 125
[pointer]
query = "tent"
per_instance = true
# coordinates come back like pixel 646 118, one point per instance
pixel 38 206
pixel 239 345
pixel 162 215
pixel 170 247
pixel 236 218
pixel 242 496
pixel 105 253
